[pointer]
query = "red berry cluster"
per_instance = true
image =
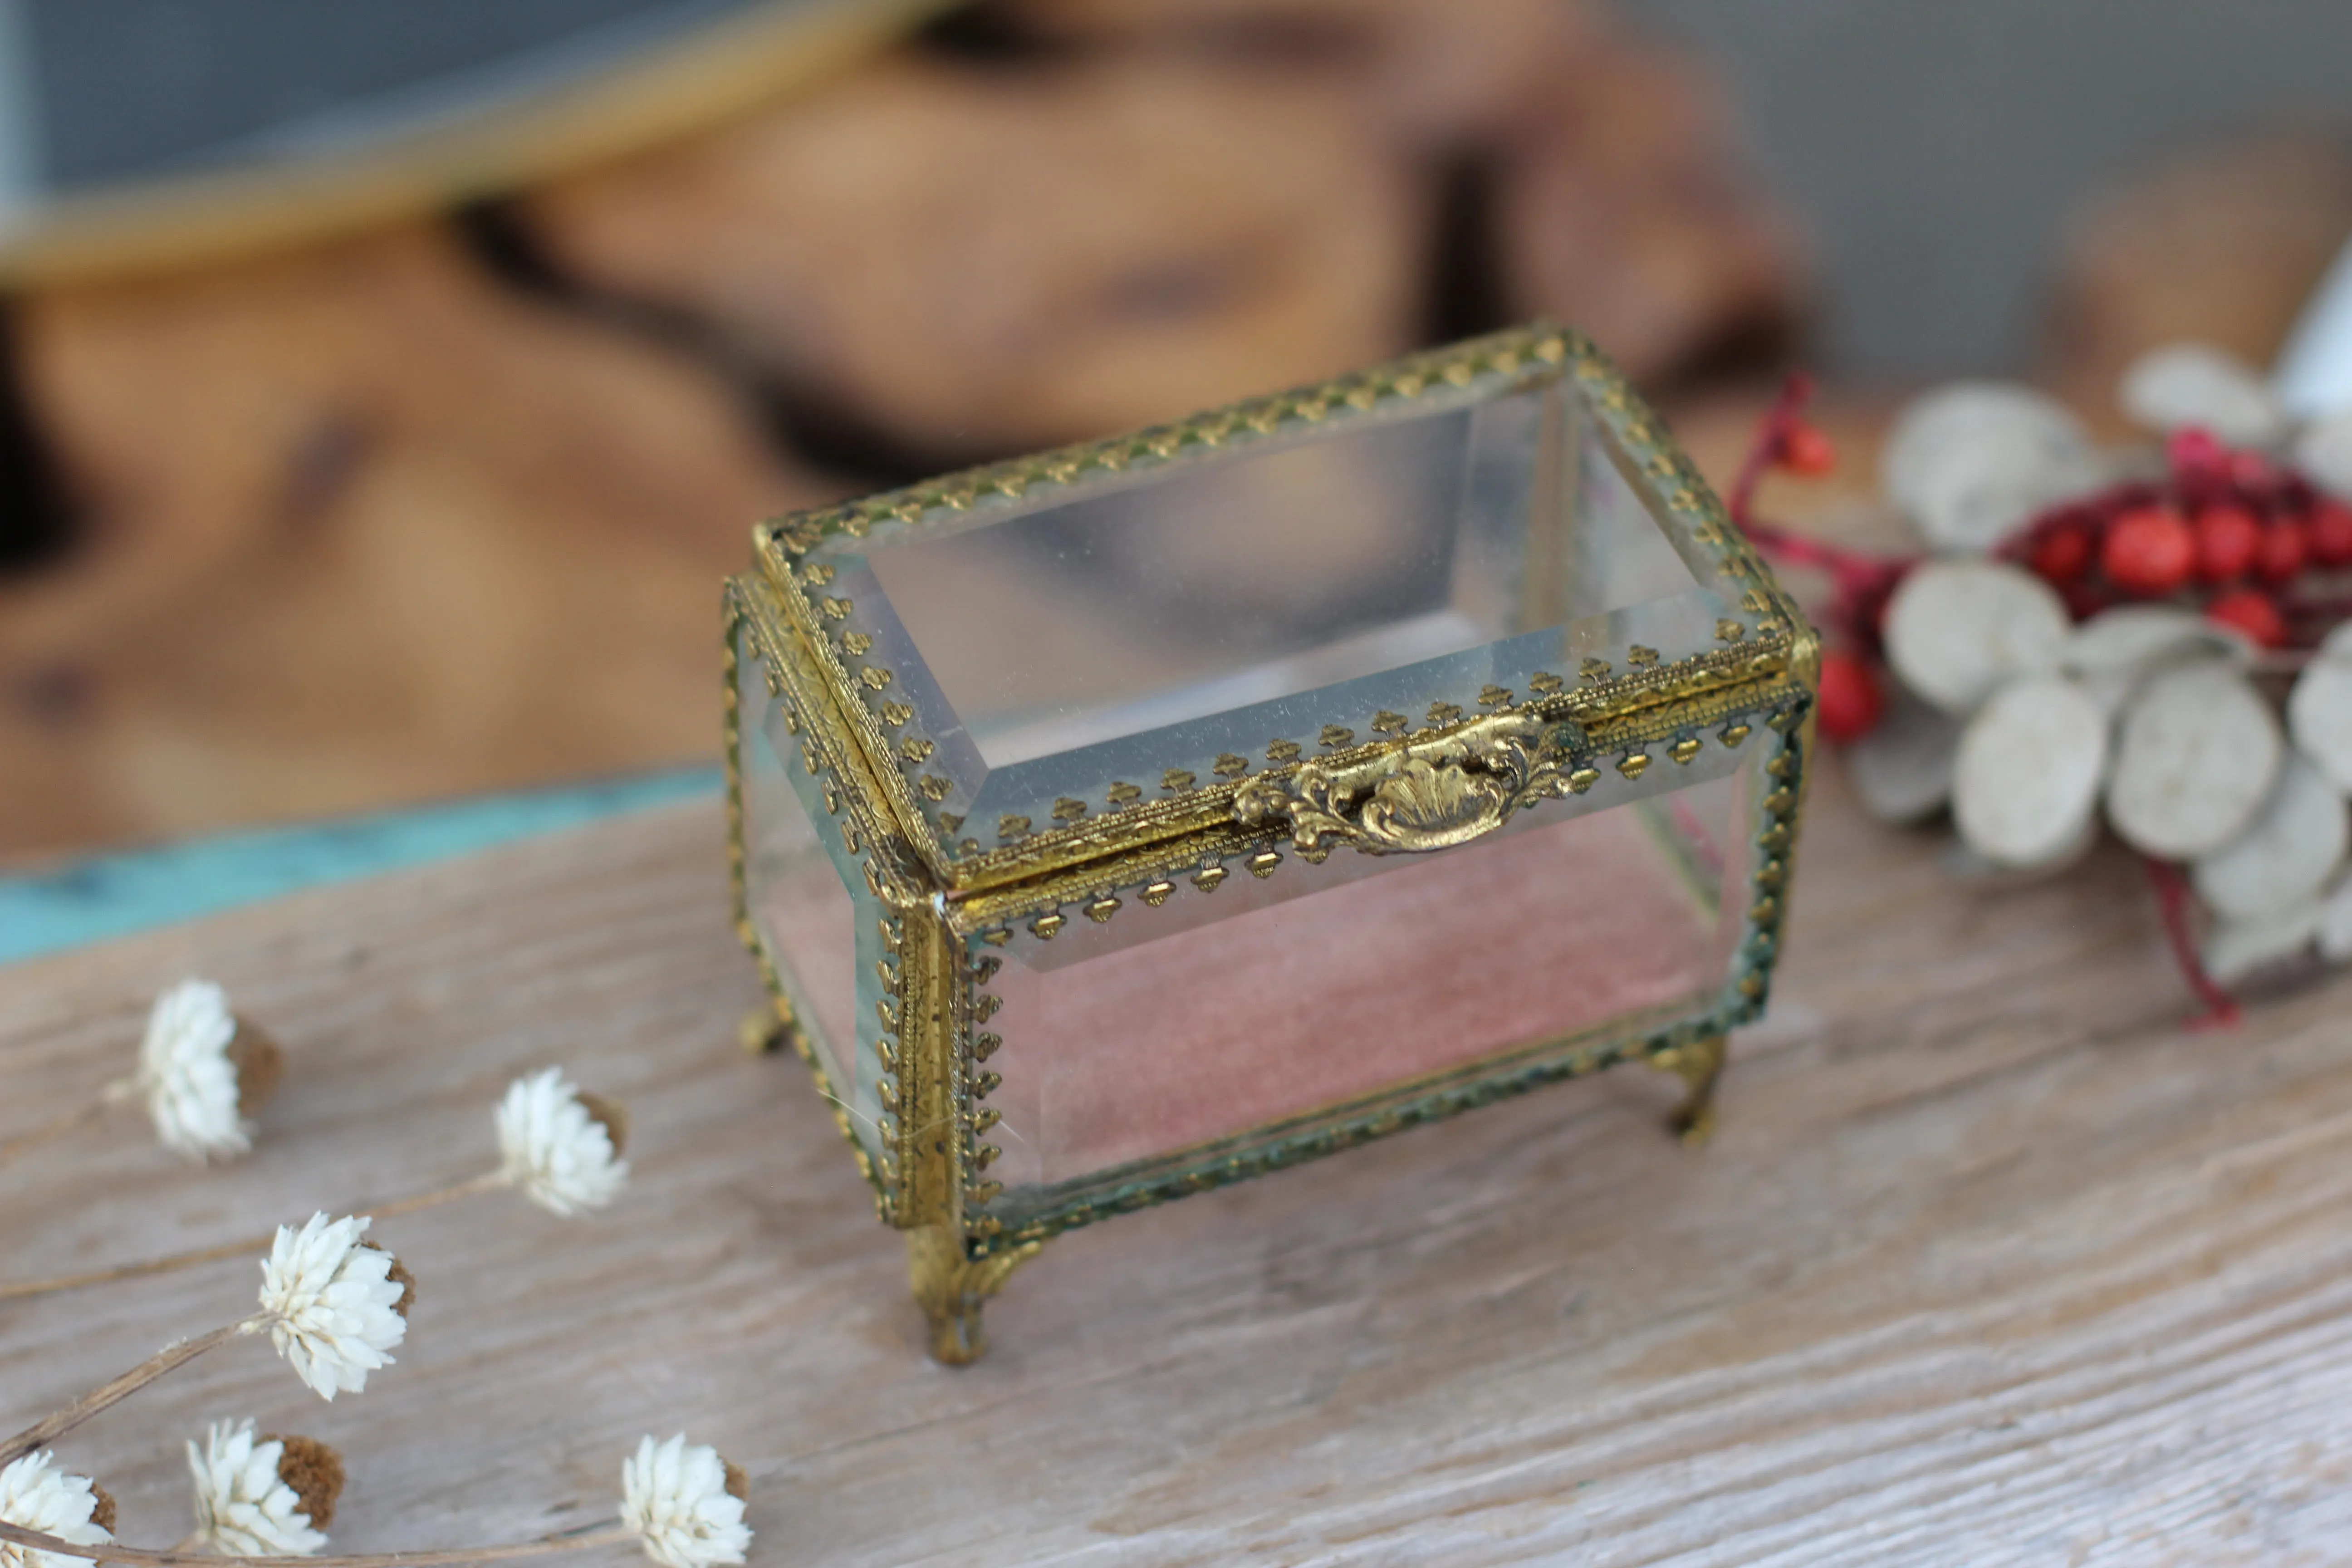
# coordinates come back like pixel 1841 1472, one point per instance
pixel 1851 701
pixel 1852 697
pixel 2230 530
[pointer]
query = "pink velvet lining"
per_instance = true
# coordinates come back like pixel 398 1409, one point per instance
pixel 1288 1008
pixel 814 924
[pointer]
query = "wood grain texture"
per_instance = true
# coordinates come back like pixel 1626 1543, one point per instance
pixel 364 527
pixel 978 262
pixel 1991 1262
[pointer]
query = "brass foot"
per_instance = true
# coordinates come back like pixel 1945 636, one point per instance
pixel 1700 1066
pixel 767 1031
pixel 951 1287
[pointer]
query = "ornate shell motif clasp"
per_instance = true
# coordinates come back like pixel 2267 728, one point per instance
pixel 1425 795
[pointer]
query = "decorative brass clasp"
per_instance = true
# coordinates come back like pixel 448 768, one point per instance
pixel 1423 796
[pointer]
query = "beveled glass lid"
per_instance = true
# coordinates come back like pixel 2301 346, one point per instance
pixel 1056 659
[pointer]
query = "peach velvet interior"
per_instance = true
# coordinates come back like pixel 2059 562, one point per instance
pixel 1299 1006
pixel 814 924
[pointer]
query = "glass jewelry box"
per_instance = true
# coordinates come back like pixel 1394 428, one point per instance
pixel 1120 822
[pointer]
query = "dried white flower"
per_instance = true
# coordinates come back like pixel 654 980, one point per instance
pixel 334 1304
pixel 686 1505
pixel 186 1075
pixel 559 1146
pixel 247 1501
pixel 35 1497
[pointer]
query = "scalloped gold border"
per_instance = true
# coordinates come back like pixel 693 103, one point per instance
pixel 1783 653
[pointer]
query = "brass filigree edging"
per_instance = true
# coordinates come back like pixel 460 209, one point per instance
pixel 1428 795
pixel 1653 703
pixel 868 828
pixel 916 1093
pixel 1463 373
pixel 1460 373
pixel 980 1081
pixel 1513 1072
pixel 1724 712
pixel 932 1024
pixel 747 931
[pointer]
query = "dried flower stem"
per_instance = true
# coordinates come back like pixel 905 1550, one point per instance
pixel 246 1246
pixel 487 1182
pixel 57 1423
pixel 49 1131
pixel 1863 582
pixel 181 1557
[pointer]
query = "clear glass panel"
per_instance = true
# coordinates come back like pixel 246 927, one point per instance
pixel 1224 1011
pixel 1110 632
pixel 814 916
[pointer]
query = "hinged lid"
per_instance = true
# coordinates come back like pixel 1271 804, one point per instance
pixel 1491 551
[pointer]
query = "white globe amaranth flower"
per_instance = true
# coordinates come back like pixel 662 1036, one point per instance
pixel 334 1303
pixel 684 1505
pixel 186 1074
pixel 561 1147
pixel 32 1496
pixel 248 1501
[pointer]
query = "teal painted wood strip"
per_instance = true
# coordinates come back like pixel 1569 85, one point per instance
pixel 114 895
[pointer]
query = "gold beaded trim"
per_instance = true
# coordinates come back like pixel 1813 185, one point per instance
pixel 1523 358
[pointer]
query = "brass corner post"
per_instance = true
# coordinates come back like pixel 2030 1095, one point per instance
pixel 939 1162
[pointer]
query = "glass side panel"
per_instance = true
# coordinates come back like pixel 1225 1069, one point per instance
pixel 816 932
pixel 1110 632
pixel 1619 920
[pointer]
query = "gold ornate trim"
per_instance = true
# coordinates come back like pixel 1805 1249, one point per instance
pixel 781 1012
pixel 1771 647
pixel 1425 795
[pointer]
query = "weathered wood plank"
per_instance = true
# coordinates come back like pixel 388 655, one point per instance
pixel 1989 1262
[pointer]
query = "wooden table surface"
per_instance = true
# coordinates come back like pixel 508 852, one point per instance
pixel 1990 1261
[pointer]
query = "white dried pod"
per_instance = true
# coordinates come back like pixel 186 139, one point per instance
pixel 2114 650
pixel 1962 864
pixel 2233 950
pixel 2196 753
pixel 2026 780
pixel 1968 462
pixel 1901 769
pixel 2324 452
pixel 2285 855
pixel 2193 385
pixel 1957 629
pixel 2130 638
pixel 2319 713
pixel 2334 923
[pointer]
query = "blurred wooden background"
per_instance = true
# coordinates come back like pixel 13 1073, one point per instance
pixel 445 508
